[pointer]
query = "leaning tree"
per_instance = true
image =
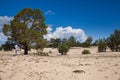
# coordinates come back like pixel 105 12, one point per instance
pixel 27 28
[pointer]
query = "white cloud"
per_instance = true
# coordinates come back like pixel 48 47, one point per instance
pixel 60 32
pixel 49 28
pixel 4 20
pixel 49 12
pixel 67 32
pixel 3 38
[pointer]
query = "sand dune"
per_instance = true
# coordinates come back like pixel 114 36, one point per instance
pixel 74 66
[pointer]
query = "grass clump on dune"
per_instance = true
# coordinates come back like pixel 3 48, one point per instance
pixel 86 52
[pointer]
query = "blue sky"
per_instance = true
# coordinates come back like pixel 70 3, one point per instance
pixel 97 18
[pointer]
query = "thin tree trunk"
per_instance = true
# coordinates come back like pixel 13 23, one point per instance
pixel 62 53
pixel 26 50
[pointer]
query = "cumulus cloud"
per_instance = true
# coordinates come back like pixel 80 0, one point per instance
pixel 3 38
pixel 60 32
pixel 66 32
pixel 49 12
pixel 49 29
pixel 4 20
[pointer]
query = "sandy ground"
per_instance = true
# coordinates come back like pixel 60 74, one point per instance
pixel 74 66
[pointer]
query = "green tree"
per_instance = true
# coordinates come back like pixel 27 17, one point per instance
pixel 0 48
pixel 102 45
pixel 64 40
pixel 113 41
pixel 88 42
pixel 57 41
pixel 53 43
pixel 95 43
pixel 7 46
pixel 117 39
pixel 72 40
pixel 63 49
pixel 78 44
pixel 27 28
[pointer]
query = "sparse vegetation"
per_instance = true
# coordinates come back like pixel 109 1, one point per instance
pixel 54 42
pixel 7 47
pixel 102 45
pixel 72 41
pixel 113 41
pixel 0 48
pixel 63 49
pixel 86 52
pixel 87 43
pixel 50 51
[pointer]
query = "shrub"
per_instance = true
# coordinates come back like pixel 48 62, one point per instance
pixel 0 48
pixel 86 52
pixel 113 41
pixel 7 47
pixel 101 46
pixel 63 49
pixel 50 51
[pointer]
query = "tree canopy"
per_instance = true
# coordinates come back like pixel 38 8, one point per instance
pixel 113 41
pixel 27 28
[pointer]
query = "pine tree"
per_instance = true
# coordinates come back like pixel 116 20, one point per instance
pixel 113 41
pixel 27 28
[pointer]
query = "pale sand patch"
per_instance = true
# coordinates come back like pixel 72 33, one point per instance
pixel 74 66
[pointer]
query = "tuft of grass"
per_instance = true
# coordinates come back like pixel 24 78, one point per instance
pixel 86 52
pixel 50 51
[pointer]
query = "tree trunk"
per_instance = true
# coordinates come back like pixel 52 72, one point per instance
pixel 62 53
pixel 26 50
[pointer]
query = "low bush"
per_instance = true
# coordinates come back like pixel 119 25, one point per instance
pixel 7 47
pixel 63 49
pixel 50 51
pixel 101 46
pixel 0 48
pixel 86 52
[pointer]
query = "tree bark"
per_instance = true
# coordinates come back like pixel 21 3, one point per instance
pixel 62 53
pixel 26 50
